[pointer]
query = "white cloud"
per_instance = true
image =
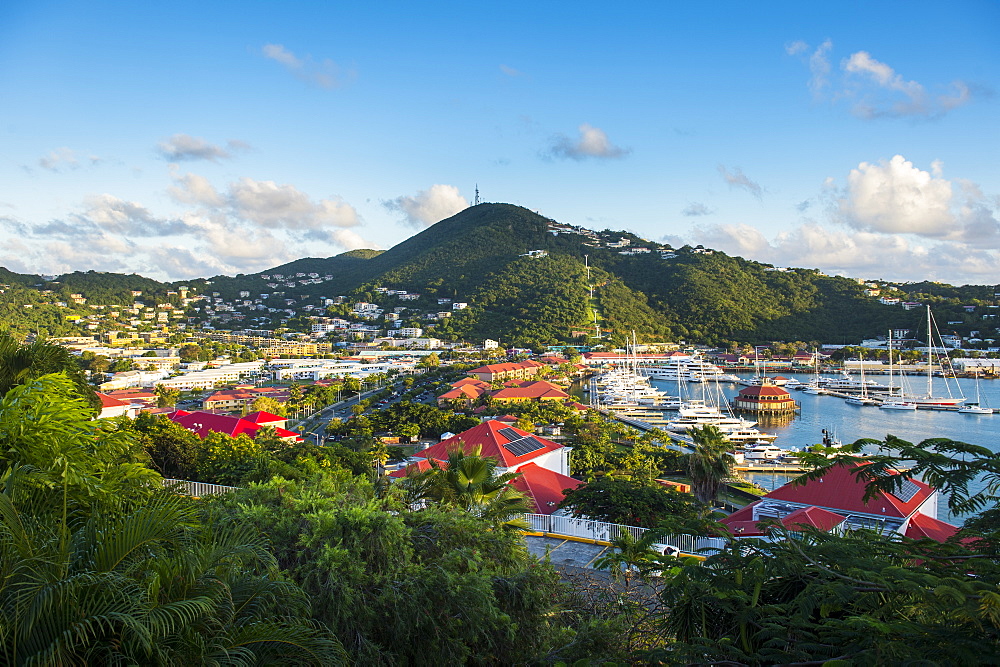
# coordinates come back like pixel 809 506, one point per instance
pixel 873 88
pixel 117 216
pixel 593 142
pixel 267 203
pixel 249 226
pixel 897 197
pixel 819 67
pixel 910 98
pixel 195 189
pixel 696 209
pixel 895 221
pixel 510 71
pixel 324 73
pixel 737 179
pixel 278 53
pixel 181 147
pixel 59 159
pixel 429 206
pixel 796 47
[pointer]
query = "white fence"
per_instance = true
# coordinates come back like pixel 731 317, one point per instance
pixel 605 532
pixel 197 489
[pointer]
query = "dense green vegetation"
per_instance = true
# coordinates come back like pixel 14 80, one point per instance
pixel 317 561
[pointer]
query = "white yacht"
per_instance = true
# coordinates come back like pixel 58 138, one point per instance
pixel 763 453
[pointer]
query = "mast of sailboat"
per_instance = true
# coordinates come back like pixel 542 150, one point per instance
pixel 864 387
pixel 890 363
pixel 930 341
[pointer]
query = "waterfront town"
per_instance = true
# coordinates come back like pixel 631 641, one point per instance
pixel 365 335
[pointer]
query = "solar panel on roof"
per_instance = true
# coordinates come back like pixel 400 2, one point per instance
pixel 907 490
pixel 509 433
pixel 525 445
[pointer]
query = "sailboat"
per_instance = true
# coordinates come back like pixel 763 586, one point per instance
pixel 863 398
pixel 892 402
pixel 975 408
pixel 814 386
pixel 929 398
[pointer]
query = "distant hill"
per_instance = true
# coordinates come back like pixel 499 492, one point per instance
pixel 525 277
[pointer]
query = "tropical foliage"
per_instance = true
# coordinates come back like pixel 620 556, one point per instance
pixel 709 464
pixel 634 502
pixel 98 566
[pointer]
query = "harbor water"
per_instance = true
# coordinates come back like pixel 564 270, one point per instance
pixel 848 423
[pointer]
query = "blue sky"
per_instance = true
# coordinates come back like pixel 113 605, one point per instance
pixel 192 139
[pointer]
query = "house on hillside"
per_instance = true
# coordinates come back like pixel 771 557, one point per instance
pixel 835 502
pixel 543 464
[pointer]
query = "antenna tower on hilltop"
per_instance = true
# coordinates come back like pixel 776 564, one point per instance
pixel 477 195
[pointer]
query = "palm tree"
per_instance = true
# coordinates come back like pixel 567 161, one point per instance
pixel 20 363
pixel 709 464
pixel 150 584
pixel 471 482
pixel 630 554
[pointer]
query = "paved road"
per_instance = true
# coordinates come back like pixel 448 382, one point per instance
pixel 340 410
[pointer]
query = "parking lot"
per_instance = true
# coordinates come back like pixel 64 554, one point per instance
pixel 565 553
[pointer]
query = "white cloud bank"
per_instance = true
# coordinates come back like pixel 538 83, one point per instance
pixel 890 220
pixel 429 206
pixel 248 226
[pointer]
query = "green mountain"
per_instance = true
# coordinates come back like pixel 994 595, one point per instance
pixel 696 294
pixel 530 280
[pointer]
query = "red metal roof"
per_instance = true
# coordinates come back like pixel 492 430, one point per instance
pixel 815 517
pixel 545 487
pixel 203 423
pixel 110 402
pixel 262 417
pixel 487 435
pixel 764 390
pixel 539 389
pixel 840 490
pixel 922 526
pixel 508 366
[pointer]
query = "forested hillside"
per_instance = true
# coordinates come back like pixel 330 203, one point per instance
pixel 526 280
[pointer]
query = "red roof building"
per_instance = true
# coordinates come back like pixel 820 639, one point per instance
pixel 463 396
pixel 203 423
pixel 765 398
pixel 836 501
pixel 510 446
pixel 242 396
pixel 506 371
pixel 543 464
pixel 539 390
pixel 112 407
pixel 267 419
pixel 544 487
pixel 139 400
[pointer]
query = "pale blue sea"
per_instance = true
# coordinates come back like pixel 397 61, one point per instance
pixel 849 423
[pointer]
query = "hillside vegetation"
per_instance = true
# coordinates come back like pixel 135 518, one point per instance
pixel 480 256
